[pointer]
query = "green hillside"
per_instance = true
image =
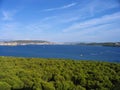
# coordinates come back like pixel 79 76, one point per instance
pixel 57 74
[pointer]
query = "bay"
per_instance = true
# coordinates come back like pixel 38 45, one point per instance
pixel 76 52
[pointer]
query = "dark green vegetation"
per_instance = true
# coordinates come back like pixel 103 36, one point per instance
pixel 57 74
pixel 112 44
pixel 117 44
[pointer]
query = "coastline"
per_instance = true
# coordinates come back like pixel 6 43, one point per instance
pixel 41 42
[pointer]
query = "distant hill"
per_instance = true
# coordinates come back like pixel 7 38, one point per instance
pixel 115 44
pixel 28 41
pixel 25 42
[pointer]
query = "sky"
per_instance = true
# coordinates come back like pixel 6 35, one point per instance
pixel 60 20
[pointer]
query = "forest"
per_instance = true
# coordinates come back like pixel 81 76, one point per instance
pixel 57 74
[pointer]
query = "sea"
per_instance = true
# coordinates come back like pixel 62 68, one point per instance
pixel 74 52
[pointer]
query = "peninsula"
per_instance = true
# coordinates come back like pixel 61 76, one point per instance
pixel 25 42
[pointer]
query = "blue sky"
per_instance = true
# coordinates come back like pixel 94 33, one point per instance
pixel 60 20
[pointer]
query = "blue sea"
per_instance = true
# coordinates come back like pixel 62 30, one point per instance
pixel 76 52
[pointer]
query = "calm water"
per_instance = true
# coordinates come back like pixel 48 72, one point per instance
pixel 111 54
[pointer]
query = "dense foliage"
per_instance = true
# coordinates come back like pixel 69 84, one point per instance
pixel 112 44
pixel 57 74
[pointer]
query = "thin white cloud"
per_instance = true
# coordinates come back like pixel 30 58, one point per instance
pixel 97 6
pixel 62 7
pixel 106 32
pixel 69 5
pixel 82 12
pixel 62 19
pixel 8 15
pixel 93 22
pixel 69 19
